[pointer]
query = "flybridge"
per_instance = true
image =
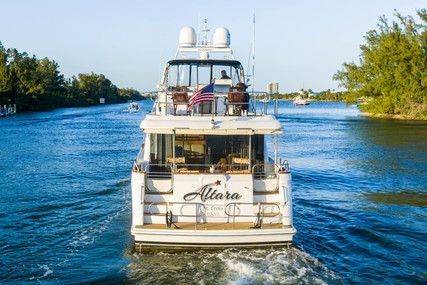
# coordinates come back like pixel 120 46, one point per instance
pixel 192 70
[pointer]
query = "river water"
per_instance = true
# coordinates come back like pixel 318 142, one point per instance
pixel 359 203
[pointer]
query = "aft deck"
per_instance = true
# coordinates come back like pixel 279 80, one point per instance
pixel 211 226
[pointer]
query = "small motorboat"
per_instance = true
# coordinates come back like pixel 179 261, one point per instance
pixel 299 101
pixel 133 107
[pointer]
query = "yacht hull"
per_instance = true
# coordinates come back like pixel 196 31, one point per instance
pixel 175 238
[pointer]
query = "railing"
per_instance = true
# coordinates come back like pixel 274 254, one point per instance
pixel 260 171
pixel 200 211
pixel 158 171
pixel 136 166
pixel 265 171
pixel 8 111
pixel 265 178
pixel 209 168
pixel 158 178
pixel 260 214
pixel 258 101
pixel 196 215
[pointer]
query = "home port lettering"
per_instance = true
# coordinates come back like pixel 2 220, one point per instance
pixel 206 192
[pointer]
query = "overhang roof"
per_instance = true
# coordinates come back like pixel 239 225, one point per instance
pixel 208 61
pixel 222 125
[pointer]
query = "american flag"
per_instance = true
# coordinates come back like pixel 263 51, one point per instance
pixel 206 94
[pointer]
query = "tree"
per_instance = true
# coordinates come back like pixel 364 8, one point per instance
pixel 4 73
pixel 392 73
pixel 37 84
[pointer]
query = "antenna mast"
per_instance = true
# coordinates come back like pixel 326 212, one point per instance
pixel 198 28
pixel 205 33
pixel 253 56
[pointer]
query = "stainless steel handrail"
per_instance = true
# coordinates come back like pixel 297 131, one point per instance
pixel 274 172
pixel 158 174
pixel 196 215
pixel 253 204
pixel 234 215
pixel 217 169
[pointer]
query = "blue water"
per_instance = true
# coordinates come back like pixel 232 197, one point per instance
pixel 359 203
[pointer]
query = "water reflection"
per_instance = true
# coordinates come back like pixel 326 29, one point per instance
pixel 398 197
pixel 393 156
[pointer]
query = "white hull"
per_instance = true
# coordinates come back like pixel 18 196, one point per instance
pixel 213 239
pixel 301 103
pixel 212 229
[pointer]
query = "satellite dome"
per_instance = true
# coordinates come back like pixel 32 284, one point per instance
pixel 187 37
pixel 221 37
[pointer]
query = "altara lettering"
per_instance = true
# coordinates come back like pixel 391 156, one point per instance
pixel 206 192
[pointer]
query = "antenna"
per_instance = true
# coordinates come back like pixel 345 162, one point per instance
pixel 205 32
pixel 249 63
pixel 253 56
pixel 161 61
pixel 198 28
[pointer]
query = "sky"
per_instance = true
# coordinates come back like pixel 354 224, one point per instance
pixel 299 44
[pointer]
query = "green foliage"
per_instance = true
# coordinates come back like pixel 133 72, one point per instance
pixel 131 94
pixel 37 84
pixel 326 95
pixel 287 96
pixel 392 74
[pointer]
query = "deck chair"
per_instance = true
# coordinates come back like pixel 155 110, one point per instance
pixel 235 101
pixel 180 97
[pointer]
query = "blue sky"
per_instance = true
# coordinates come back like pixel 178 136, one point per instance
pixel 298 43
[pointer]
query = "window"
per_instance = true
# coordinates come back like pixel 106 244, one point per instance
pixel 199 152
pixel 204 74
pixel 161 149
pixel 257 149
pixel 232 71
pixel 182 75
pixel 191 74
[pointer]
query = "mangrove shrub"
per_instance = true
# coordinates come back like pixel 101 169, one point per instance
pixel 391 77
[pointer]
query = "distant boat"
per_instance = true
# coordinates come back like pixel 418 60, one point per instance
pixel 300 101
pixel 133 107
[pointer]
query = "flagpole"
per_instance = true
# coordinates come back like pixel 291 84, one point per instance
pixel 213 106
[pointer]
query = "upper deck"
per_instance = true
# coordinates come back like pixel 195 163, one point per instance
pixel 194 84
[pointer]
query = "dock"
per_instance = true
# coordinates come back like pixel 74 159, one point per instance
pixel 8 111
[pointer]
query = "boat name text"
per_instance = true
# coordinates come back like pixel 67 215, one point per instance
pixel 206 192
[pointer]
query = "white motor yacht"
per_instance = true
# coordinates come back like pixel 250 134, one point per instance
pixel 204 177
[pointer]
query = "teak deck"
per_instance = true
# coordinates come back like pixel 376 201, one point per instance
pixel 211 226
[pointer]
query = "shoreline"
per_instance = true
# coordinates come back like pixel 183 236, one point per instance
pixel 391 116
pixel 310 100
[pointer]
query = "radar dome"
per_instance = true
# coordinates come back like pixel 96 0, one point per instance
pixel 221 37
pixel 187 37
